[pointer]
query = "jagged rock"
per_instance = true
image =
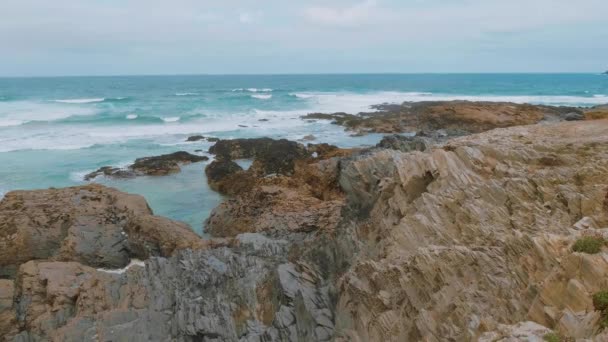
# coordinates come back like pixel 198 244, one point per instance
pixel 309 137
pixel 150 166
pixel 403 143
pixel 93 224
pixel 475 234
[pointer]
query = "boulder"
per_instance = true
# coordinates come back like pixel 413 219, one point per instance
pixel 93 225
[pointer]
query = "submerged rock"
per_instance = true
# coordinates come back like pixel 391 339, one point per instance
pixel 195 138
pixel 149 166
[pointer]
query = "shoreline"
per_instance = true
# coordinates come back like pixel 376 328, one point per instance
pixel 316 240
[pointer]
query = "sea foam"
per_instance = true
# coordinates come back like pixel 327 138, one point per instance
pixel 262 97
pixel 131 116
pixel 81 101
pixel 171 119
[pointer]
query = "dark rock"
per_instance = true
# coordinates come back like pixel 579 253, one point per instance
pixel 403 143
pixel 165 164
pixel 270 156
pixel 195 138
pixel 309 137
pixel 213 139
pixel 110 172
pixel 263 120
pixel 243 126
pixel 226 177
pixel 150 166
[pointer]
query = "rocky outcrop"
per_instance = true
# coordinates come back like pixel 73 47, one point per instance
pixel 453 117
pixel 93 225
pixel 149 166
pixel 477 234
pixel 470 239
pixel 270 156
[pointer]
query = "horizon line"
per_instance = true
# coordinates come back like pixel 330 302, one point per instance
pixel 314 74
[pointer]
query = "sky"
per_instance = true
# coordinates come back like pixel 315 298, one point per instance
pixel 131 37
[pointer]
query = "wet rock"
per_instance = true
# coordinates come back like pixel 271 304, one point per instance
pixel 149 166
pixel 196 138
pixel 165 164
pixel 227 177
pixel 270 156
pixel 403 143
pixel 92 224
pixel 263 120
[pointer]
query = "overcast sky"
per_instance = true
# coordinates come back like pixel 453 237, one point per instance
pixel 109 37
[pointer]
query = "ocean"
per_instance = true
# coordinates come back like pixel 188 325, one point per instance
pixel 55 130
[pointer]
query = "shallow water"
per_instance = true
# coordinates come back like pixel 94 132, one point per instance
pixel 55 130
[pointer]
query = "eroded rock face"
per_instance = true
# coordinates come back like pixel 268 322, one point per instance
pixel 149 166
pixel 477 234
pixel 94 225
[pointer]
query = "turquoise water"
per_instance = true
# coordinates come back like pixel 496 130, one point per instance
pixel 54 130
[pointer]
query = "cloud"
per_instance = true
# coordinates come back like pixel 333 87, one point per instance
pixel 348 16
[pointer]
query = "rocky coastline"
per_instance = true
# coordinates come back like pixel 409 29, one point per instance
pixel 464 232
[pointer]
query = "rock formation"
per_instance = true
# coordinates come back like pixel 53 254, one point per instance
pixel 454 240
pixel 453 117
pixel 149 166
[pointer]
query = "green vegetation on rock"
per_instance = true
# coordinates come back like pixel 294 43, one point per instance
pixel 589 244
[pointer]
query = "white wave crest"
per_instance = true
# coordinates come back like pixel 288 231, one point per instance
pixel 131 117
pixel 81 101
pixel 17 113
pixel 186 94
pixel 262 97
pixel 171 119
pixel 259 90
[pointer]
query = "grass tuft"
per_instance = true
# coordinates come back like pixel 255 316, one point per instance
pixel 589 244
